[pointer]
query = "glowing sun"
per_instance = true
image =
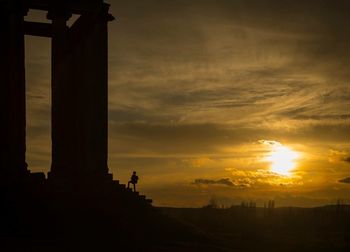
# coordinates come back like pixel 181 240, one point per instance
pixel 282 160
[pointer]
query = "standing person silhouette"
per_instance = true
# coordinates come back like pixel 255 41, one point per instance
pixel 133 180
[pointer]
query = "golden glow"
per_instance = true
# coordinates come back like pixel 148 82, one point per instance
pixel 283 159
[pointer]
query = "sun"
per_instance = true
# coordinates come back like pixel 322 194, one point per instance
pixel 283 160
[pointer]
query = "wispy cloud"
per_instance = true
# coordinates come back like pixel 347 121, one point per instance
pixel 345 180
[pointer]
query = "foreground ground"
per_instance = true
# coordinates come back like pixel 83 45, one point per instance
pixel 275 229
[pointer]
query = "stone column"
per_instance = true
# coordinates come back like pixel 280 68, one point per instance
pixel 88 45
pixel 61 104
pixel 12 90
pixel 80 96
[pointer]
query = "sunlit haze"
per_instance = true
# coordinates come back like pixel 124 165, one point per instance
pixel 282 158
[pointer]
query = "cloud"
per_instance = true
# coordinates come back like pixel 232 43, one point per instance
pixel 223 181
pixel 336 156
pixel 270 142
pixel 236 183
pixel 345 180
pixel 260 178
pixel 175 138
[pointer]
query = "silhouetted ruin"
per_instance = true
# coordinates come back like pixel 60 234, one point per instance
pixel 79 89
pixel 79 199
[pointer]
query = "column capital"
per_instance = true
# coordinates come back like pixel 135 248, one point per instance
pixel 109 16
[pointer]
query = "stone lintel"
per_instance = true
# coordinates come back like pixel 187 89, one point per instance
pixel 73 6
pixel 38 29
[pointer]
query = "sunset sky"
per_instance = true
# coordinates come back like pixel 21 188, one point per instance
pixel 237 99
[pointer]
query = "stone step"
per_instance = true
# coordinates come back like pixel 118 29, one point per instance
pixel 129 191
pixel 115 182
pixel 109 176
pixel 37 176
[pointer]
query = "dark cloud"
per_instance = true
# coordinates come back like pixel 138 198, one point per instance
pixel 39 130
pixel 210 139
pixel 177 139
pixel 136 115
pixel 223 181
pixel 347 159
pixel 345 180
pixel 322 117
pixel 231 58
